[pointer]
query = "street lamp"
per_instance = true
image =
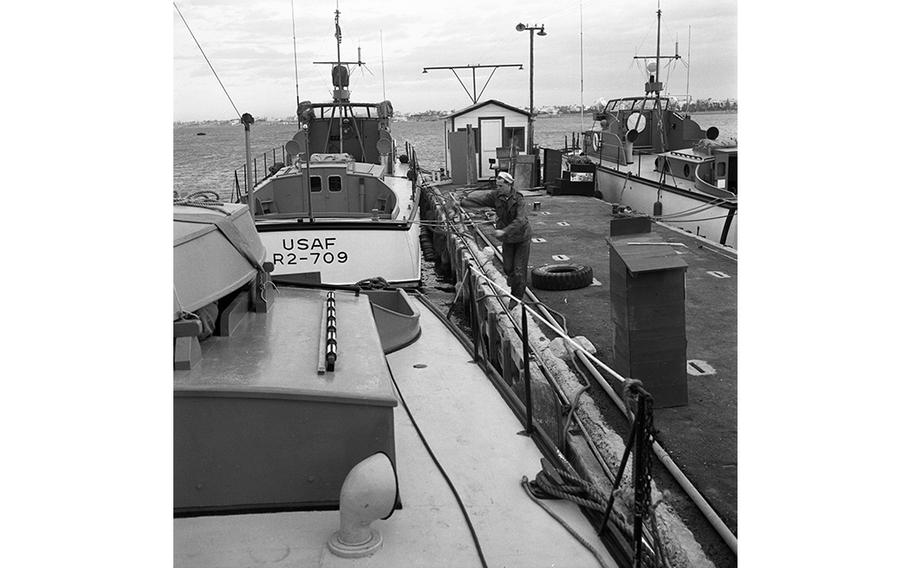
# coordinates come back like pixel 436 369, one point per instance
pixel 540 32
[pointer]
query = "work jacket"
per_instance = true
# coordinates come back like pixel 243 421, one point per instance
pixel 511 215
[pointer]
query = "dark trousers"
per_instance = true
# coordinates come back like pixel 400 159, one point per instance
pixel 515 264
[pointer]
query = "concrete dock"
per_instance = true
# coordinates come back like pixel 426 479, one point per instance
pixel 701 437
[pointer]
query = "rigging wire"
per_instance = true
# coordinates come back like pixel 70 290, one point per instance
pixel 207 60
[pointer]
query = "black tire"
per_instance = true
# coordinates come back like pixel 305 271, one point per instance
pixel 562 276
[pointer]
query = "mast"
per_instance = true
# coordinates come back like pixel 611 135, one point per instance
pixel 340 108
pixel 653 85
pixel 340 80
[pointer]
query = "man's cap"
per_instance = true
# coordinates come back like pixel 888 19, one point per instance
pixel 506 177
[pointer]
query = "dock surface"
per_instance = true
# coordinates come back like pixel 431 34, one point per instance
pixel 701 437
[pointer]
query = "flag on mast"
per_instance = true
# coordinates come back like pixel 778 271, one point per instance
pixel 337 27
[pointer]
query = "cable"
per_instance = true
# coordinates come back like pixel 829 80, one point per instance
pixel 207 60
pixel 464 512
pixel 694 220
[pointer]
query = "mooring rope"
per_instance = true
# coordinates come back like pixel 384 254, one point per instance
pixel 565 525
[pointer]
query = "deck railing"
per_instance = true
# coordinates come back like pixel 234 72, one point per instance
pixel 261 169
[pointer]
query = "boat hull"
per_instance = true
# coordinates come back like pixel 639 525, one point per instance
pixel 713 218
pixel 343 253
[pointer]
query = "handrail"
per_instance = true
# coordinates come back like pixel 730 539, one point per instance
pixel 254 175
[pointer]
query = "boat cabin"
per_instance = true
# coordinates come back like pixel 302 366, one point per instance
pixel 640 114
pixel 498 130
pixel 358 129
pixel 339 187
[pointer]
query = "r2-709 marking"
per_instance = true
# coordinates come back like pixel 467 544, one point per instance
pixel 291 258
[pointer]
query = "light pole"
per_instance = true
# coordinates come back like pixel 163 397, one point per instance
pixel 540 32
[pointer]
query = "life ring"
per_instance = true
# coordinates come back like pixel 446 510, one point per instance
pixel 595 140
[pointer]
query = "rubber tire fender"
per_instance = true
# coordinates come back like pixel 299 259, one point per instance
pixel 562 276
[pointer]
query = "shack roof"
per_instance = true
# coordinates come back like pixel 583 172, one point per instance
pixel 488 102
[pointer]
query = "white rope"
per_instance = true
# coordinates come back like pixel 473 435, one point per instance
pixel 555 330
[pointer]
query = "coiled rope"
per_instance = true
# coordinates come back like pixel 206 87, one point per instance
pixel 203 199
pixel 600 560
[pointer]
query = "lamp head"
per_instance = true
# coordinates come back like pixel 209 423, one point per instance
pixel 541 32
pixel 521 27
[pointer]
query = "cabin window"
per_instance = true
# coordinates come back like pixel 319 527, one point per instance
pixel 640 104
pixel 516 135
pixel 334 183
pixel 625 105
pixel 315 184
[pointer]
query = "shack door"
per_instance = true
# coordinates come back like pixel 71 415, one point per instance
pixel 491 130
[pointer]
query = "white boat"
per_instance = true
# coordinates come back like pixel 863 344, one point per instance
pixel 364 223
pixel 342 206
pixel 405 459
pixel 656 160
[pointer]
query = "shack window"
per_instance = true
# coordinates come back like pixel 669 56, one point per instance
pixel 515 135
pixel 721 169
pixel 334 183
pixel 315 184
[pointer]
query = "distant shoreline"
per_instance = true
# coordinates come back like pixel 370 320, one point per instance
pixel 409 119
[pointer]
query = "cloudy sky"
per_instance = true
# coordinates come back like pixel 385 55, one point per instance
pixel 250 46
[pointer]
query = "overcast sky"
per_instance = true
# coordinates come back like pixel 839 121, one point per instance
pixel 251 48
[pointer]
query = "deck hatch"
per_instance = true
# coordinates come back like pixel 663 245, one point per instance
pixel 251 416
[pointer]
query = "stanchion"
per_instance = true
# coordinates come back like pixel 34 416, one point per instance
pixel 529 420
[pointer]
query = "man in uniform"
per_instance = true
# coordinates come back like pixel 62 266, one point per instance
pixel 512 228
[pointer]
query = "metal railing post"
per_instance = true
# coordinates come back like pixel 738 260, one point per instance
pixel 529 423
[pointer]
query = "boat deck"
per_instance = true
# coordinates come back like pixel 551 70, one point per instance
pixel 474 436
pixel 643 166
pixel 701 437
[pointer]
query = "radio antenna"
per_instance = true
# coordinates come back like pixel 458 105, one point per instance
pixel 296 78
pixel 382 55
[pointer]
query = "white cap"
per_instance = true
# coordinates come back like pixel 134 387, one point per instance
pixel 506 177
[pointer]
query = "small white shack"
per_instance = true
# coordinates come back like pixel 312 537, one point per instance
pixel 495 125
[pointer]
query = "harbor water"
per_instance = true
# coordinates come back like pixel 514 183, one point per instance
pixel 206 155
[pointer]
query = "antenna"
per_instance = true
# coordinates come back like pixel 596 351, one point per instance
pixel 296 78
pixel 581 48
pixel 382 55
pixel 688 61
pixel 473 69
